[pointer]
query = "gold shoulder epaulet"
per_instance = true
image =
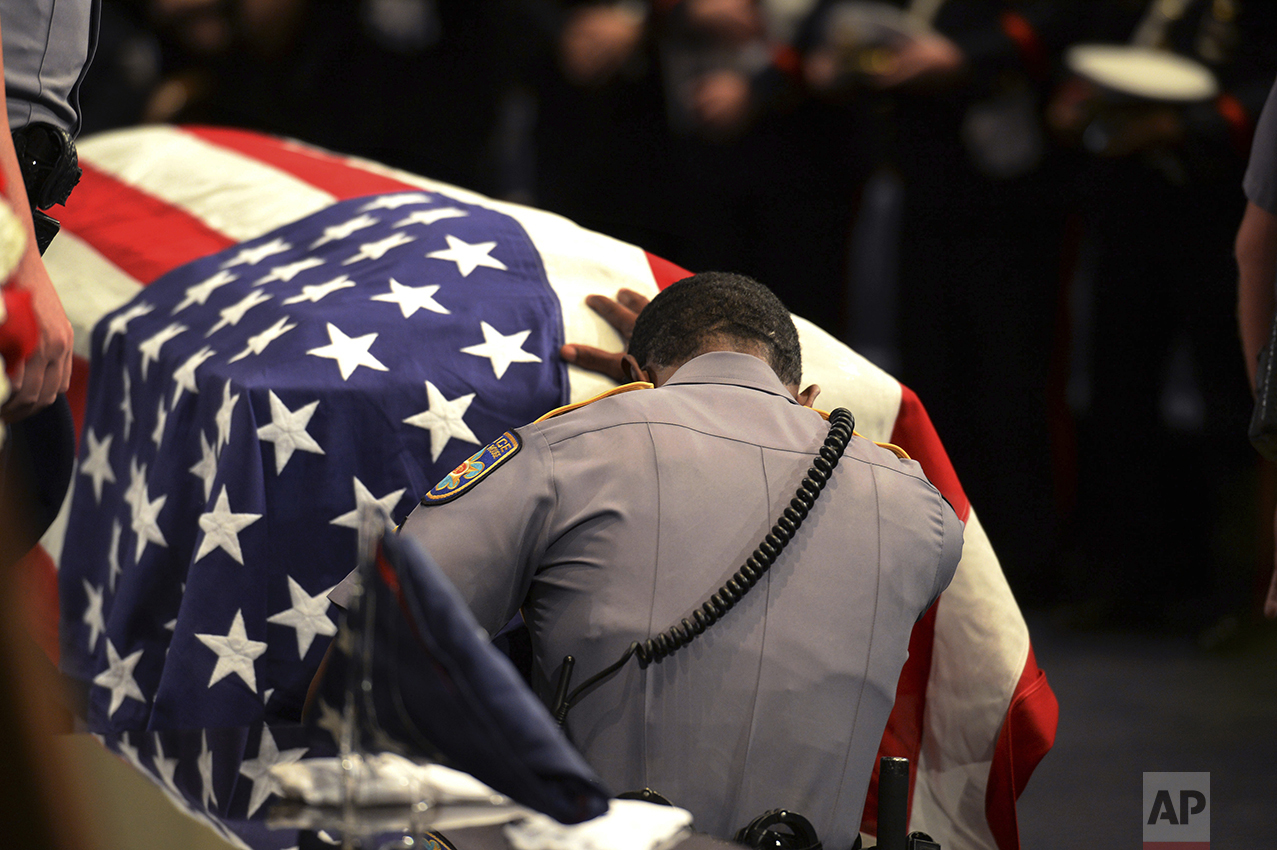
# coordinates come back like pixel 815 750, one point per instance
pixel 623 388
pixel 891 447
pixel 894 449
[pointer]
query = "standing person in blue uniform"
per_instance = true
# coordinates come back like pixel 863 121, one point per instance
pixel 47 47
pixel 957 98
pixel 414 84
pixel 768 176
pixel 606 522
pixel 692 136
pixel 1162 204
pixel 600 143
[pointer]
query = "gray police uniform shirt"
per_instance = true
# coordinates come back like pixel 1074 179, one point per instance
pixel 47 48
pixel 617 519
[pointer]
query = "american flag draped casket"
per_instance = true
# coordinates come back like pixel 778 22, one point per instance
pixel 326 333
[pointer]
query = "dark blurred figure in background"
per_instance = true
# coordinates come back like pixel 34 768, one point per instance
pixel 601 145
pixel 412 83
pixel 958 88
pixel 1165 514
pixel 682 125
pixel 126 69
pixel 769 176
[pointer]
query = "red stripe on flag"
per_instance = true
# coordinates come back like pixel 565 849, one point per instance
pixel 914 433
pixel 141 234
pixel 37 585
pixel 1027 735
pixel 664 272
pixel 78 394
pixel 325 171
pixel 903 735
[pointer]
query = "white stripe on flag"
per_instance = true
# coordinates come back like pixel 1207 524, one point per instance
pixel 847 379
pixel 222 187
pixel 89 285
pixel 233 194
pixel 982 640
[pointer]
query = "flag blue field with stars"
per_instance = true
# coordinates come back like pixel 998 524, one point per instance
pixel 221 777
pixel 241 410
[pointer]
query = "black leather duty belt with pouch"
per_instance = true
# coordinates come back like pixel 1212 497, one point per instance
pixel 50 170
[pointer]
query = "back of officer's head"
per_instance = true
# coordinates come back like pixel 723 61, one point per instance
pixel 708 310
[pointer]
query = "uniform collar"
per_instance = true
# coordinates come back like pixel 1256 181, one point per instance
pixel 731 367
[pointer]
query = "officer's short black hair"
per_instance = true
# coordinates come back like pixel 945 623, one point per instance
pixel 715 306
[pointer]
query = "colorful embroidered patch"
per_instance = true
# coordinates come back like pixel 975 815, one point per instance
pixel 474 469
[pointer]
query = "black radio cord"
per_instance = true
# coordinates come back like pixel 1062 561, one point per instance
pixel 679 635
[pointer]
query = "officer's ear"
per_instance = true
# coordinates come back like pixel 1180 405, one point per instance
pixel 632 370
pixel 807 397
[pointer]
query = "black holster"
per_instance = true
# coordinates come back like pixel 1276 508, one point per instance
pixel 50 170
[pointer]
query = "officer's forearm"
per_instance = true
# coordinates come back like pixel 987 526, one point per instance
pixel 1256 251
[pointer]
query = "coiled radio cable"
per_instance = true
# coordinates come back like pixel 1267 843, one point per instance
pixel 655 649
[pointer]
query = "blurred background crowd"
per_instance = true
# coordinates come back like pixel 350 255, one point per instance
pixel 1045 260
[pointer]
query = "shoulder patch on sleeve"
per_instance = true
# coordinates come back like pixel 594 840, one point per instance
pixel 474 469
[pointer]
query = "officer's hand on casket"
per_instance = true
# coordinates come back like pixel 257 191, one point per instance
pixel 620 313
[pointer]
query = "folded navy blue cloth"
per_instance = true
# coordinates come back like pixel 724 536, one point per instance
pixel 439 689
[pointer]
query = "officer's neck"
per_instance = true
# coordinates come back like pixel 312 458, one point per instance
pixel 657 375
